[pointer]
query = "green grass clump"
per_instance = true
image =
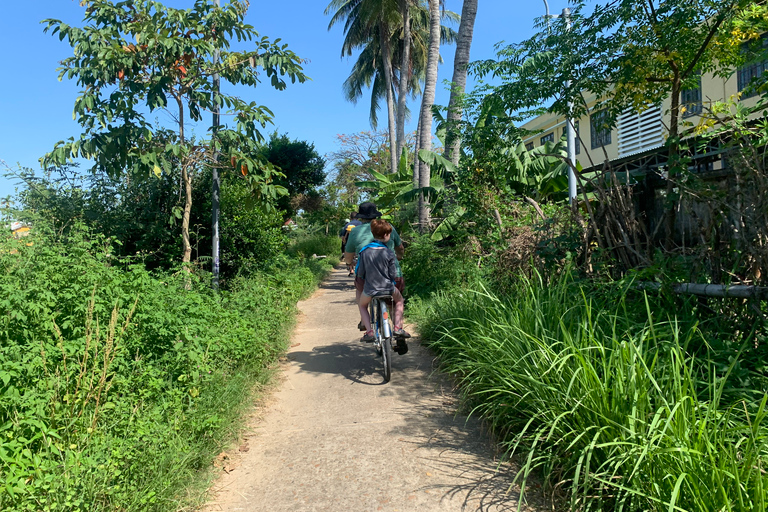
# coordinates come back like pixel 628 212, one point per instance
pixel 118 386
pixel 615 412
pixel 319 245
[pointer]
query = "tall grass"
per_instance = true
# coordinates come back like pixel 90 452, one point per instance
pixel 613 411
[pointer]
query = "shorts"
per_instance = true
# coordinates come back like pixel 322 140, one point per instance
pixel 399 284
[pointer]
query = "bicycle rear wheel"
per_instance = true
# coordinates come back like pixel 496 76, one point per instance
pixel 376 325
pixel 386 357
pixel 385 331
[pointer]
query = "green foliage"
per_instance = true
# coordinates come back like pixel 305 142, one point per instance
pixel 250 236
pixel 328 217
pixel 316 244
pixel 604 397
pixel 117 385
pixel 374 30
pixel 301 165
pixel 138 213
pixel 625 54
pixel 132 58
pixel 137 55
pixel 430 267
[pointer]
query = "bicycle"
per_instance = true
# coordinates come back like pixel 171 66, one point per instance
pixel 383 331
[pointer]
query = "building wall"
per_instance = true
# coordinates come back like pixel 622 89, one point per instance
pixel 713 89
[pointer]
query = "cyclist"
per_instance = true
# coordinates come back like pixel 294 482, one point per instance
pixel 344 234
pixel 362 236
pixel 376 267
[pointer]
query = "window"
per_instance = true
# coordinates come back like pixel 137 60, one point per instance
pixel 639 131
pixel 600 129
pixel 529 146
pixel 748 72
pixel 575 136
pixel 550 137
pixel 691 100
pixel 578 142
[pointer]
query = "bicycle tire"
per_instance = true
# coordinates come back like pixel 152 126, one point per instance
pixel 386 357
pixel 374 312
pixel 385 332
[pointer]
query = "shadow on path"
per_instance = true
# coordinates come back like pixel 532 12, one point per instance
pixel 354 362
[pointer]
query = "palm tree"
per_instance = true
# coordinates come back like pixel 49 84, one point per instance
pixel 364 21
pixel 459 82
pixel 376 65
pixel 428 99
pixel 405 74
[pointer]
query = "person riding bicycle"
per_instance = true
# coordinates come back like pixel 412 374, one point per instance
pixel 344 234
pixel 376 267
pixel 362 236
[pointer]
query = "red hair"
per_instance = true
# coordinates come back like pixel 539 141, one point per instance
pixel 380 228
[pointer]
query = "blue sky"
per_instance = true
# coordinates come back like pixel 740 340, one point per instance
pixel 36 109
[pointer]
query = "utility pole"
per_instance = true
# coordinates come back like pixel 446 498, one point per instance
pixel 216 181
pixel 570 129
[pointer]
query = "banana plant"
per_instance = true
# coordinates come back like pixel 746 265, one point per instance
pixel 389 190
pixel 540 172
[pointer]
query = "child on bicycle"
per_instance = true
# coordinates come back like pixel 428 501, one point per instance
pixel 376 266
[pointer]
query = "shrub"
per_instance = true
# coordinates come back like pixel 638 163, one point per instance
pixel 117 385
pixel 320 245
pixel 429 267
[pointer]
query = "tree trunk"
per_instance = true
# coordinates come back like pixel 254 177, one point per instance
pixel 673 159
pixel 187 180
pixel 405 75
pixel 387 61
pixel 459 81
pixel 187 257
pixel 416 156
pixel 425 122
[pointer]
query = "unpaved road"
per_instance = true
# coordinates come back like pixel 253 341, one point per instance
pixel 336 437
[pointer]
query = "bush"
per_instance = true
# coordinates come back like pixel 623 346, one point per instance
pixel 430 267
pixel 117 385
pixel 143 215
pixel 604 397
pixel 320 245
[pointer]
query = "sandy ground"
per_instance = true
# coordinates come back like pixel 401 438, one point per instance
pixel 336 437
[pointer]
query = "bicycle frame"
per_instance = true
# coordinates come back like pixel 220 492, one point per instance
pixel 382 332
pixel 379 318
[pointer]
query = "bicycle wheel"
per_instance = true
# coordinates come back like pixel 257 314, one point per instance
pixel 376 325
pixel 386 357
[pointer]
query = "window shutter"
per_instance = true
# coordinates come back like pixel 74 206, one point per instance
pixel 640 132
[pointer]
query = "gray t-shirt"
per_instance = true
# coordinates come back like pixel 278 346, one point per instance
pixel 376 265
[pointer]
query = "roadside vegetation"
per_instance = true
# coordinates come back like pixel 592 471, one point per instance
pixel 620 399
pixel 120 385
pixel 123 372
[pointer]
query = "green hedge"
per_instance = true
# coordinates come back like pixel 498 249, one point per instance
pixel 117 386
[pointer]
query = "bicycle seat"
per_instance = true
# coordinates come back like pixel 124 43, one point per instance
pixel 384 297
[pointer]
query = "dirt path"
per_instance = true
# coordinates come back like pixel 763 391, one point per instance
pixel 335 437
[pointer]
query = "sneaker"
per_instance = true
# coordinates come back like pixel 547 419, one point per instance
pixel 401 347
pixel 368 337
pixel 350 274
pixel 402 334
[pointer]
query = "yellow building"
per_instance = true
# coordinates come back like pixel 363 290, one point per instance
pixel 635 133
